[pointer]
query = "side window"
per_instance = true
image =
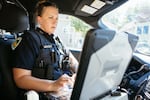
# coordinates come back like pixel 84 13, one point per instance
pixel 71 31
pixel 5 35
pixel 132 17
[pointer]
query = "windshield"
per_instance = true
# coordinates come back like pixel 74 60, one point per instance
pixel 132 17
pixel 72 31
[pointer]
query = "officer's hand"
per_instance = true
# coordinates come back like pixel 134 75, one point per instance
pixel 62 82
pixel 74 76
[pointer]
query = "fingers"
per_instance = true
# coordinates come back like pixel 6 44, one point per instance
pixel 74 76
pixel 64 81
pixel 70 81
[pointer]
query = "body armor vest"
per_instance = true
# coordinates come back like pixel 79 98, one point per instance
pixel 47 63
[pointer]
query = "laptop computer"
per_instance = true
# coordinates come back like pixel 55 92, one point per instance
pixel 105 57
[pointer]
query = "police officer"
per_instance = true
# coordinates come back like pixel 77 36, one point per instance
pixel 37 57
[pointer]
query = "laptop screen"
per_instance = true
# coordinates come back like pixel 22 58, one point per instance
pixel 105 57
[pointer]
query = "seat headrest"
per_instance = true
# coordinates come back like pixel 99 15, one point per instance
pixel 13 18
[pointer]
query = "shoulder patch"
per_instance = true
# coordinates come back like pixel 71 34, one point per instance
pixel 16 43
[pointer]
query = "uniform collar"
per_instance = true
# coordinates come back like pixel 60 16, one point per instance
pixel 43 32
pixel 49 37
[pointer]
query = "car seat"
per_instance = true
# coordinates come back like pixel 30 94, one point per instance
pixel 7 86
pixel 13 19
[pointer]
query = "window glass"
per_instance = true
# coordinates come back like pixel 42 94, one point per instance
pixel 132 17
pixel 5 35
pixel 71 31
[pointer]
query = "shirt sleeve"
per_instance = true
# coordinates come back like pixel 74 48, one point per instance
pixel 26 52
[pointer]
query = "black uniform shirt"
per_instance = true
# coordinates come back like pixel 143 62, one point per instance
pixel 27 51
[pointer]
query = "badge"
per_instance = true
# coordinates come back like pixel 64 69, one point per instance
pixel 16 43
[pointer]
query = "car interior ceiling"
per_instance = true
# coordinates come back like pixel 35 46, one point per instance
pixel 73 7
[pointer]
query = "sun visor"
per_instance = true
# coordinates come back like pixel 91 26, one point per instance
pixel 13 18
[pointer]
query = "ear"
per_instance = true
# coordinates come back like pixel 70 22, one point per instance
pixel 38 19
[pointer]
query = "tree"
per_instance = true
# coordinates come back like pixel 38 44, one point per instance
pixel 79 25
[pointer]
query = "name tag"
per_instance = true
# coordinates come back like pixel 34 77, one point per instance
pixel 47 46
